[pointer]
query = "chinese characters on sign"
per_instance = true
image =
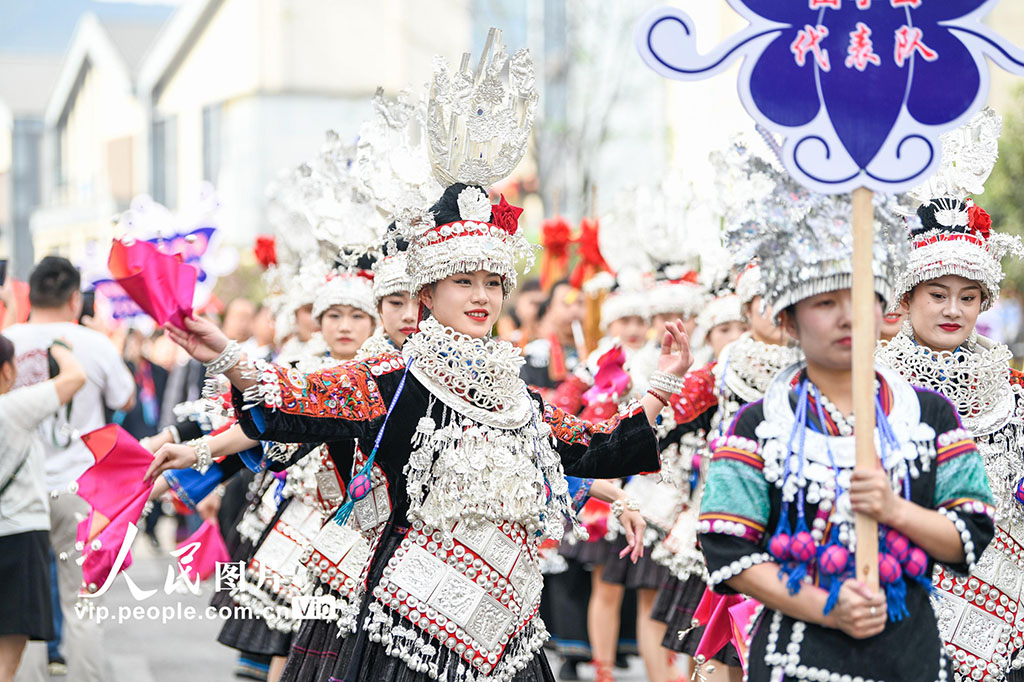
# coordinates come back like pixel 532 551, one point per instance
pixel 858 89
pixel 861 51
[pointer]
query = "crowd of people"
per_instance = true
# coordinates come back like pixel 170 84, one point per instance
pixel 654 459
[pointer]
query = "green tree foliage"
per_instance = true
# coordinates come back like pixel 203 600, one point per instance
pixel 1004 191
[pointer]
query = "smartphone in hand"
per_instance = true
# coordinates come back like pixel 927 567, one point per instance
pixel 3 271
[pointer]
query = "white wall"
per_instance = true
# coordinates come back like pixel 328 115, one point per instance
pixel 265 133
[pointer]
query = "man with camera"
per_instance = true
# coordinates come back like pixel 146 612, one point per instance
pixel 56 301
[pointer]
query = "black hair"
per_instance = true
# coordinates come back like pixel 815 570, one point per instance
pixel 446 210
pixel 364 261
pixel 532 284
pixel 542 310
pixel 6 350
pixel 926 213
pixel 52 283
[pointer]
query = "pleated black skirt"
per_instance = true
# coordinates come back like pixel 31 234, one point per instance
pixel 25 606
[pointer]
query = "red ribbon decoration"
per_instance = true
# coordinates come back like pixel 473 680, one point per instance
pixel 555 237
pixel 590 260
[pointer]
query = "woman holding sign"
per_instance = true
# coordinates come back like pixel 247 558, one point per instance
pixel 777 516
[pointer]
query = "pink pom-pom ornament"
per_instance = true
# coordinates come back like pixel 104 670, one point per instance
pixel 779 547
pixel 897 544
pixel 889 570
pixel 834 560
pixel 359 487
pixel 916 563
pixel 802 546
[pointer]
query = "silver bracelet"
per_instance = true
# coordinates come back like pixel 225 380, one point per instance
pixel 227 359
pixel 620 505
pixel 204 458
pixel 669 383
pixel 173 431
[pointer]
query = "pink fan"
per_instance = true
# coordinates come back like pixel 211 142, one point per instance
pixel 160 283
pixel 114 489
pixel 611 380
pixel 742 614
pixel 713 611
pixel 210 549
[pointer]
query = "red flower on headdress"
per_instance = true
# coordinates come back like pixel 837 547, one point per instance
pixel 265 250
pixel 979 220
pixel 506 216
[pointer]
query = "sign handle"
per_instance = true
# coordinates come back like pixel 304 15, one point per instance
pixel 864 373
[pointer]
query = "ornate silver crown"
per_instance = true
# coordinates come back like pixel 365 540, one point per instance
pixel 391 164
pixel 969 154
pixel 479 120
pixel 950 245
pixel 803 241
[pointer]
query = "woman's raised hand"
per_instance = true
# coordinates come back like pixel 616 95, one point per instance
pixel 675 355
pixel 201 339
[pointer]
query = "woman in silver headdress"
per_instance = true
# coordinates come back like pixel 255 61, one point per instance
pixel 953 275
pixel 777 516
pixel 471 463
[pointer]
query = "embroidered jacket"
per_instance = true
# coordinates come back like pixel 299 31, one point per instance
pixel 742 506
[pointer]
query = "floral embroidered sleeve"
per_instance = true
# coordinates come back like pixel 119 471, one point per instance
pixel 339 403
pixel 962 491
pixel 736 506
pixel 579 491
pixel 621 446
pixel 697 397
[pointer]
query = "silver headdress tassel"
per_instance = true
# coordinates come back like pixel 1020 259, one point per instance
pixel 802 240
pixel 953 235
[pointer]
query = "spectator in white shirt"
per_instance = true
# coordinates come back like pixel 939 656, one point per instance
pixel 25 605
pixel 56 304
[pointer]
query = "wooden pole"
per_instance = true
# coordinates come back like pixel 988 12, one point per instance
pixel 864 373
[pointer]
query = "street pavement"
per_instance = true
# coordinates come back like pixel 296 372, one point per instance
pixel 139 648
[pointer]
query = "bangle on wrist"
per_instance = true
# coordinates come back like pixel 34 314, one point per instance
pixel 228 358
pixel 201 446
pixel 172 431
pixel 622 504
pixel 661 400
pixel 669 383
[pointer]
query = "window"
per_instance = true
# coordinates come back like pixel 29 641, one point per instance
pixel 164 180
pixel 119 170
pixel 211 142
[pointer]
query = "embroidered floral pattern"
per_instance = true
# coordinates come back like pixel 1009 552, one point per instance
pixel 576 431
pixel 348 391
pixel 697 397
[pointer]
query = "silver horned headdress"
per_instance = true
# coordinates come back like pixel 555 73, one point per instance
pixel 953 236
pixel 479 120
pixel 478 126
pixel 803 241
